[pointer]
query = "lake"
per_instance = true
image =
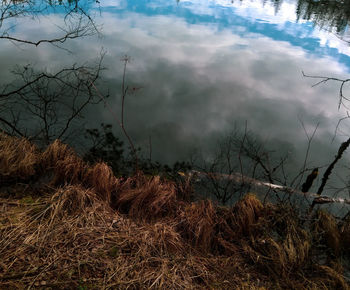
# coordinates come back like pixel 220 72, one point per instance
pixel 198 71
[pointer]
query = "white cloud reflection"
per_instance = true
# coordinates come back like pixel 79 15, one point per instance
pixel 202 80
pixel 198 80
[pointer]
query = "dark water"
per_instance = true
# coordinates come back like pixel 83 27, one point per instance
pixel 201 69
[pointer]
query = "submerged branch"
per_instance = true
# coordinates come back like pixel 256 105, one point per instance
pixel 328 171
pixel 323 79
pixel 7 123
pixel 69 35
pixel 237 177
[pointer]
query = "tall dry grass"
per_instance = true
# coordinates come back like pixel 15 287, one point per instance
pixel 95 230
pixel 146 197
pixel 18 158
pixel 100 177
pixel 68 168
pixel 326 232
pixel 345 236
pixel 196 222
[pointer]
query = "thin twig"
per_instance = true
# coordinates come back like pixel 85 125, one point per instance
pixel 323 79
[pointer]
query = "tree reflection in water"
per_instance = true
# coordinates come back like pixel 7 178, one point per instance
pixel 331 15
pixel 327 14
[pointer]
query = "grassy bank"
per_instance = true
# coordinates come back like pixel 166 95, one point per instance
pixel 68 224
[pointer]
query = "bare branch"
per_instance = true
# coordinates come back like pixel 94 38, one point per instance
pixel 11 126
pixel 323 79
pixel 49 102
pixel 77 23
pixel 79 32
pixel 309 142
pixel 338 124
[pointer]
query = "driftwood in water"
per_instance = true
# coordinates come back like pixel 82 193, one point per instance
pixel 239 178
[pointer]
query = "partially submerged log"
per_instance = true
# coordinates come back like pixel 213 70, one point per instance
pixel 239 178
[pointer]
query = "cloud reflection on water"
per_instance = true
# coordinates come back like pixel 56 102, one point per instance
pixel 202 80
pixel 199 79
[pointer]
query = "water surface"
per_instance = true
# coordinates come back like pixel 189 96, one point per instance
pixel 206 68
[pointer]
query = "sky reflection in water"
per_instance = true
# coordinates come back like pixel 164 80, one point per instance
pixel 204 66
pixel 207 66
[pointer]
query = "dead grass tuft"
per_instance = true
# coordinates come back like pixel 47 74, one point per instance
pixel 56 152
pixel 161 239
pixel 345 236
pixel 67 210
pixel 197 222
pixel 101 178
pixel 68 168
pixel 245 215
pixel 146 197
pixel 74 200
pixel 331 278
pixel 326 232
pixel 18 158
pixel 282 257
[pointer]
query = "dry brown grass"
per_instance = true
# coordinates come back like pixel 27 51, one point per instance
pixel 93 230
pixel 237 224
pixel 246 214
pixel 281 258
pixel 146 197
pixel 74 238
pixel 67 167
pixel 326 231
pixel 331 277
pixel 18 158
pixel 56 152
pixel 197 221
pixel 101 178
pixel 345 236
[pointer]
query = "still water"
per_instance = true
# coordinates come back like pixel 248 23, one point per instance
pixel 202 69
